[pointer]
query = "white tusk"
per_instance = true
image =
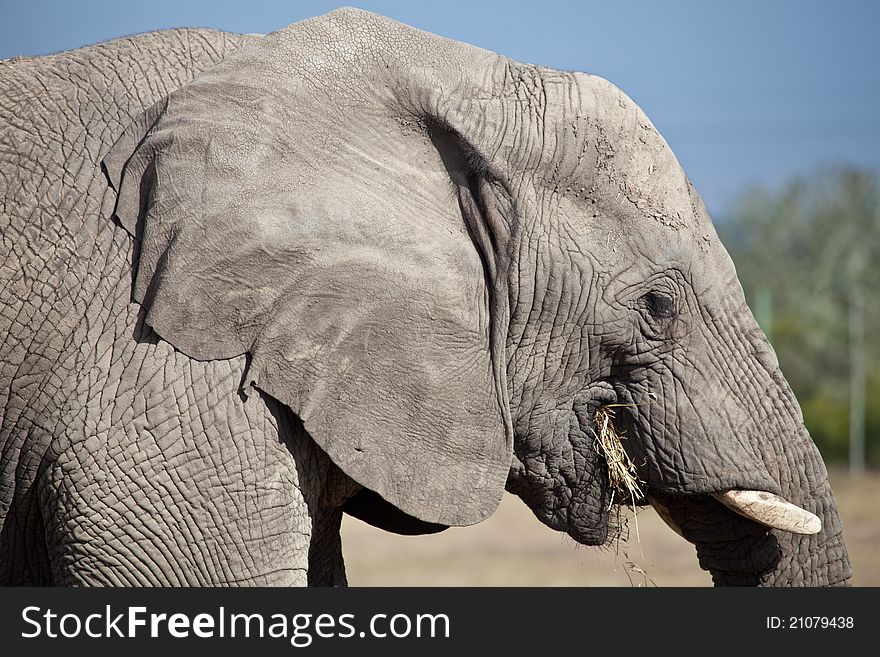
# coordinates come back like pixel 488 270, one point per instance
pixel 663 511
pixel 771 510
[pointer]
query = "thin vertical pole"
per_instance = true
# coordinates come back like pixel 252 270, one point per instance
pixel 857 383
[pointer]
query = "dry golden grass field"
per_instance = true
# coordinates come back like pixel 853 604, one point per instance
pixel 513 549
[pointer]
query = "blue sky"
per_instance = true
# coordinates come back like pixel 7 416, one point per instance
pixel 745 92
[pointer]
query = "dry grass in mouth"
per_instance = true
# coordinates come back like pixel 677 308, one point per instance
pixel 622 474
pixel 623 477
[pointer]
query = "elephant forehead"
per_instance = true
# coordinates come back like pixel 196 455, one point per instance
pixel 624 163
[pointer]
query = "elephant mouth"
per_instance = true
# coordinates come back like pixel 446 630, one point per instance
pixel 762 507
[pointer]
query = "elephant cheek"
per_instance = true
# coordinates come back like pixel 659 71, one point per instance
pixel 589 522
pixel 561 476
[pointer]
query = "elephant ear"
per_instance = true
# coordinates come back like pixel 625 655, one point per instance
pixel 332 250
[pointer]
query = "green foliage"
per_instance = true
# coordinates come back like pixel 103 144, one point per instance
pixel 805 253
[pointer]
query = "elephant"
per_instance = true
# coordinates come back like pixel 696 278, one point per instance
pixel 251 283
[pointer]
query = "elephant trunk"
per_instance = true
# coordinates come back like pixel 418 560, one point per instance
pixel 758 556
pixel 814 553
pixel 790 537
pixel 755 499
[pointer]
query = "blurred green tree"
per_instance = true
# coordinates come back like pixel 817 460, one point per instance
pixel 808 257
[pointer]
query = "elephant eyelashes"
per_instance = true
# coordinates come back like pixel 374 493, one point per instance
pixel 660 305
pixel 659 311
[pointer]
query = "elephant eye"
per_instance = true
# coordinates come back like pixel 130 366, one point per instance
pixel 660 304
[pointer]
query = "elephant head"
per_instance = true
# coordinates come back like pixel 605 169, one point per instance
pixel 445 262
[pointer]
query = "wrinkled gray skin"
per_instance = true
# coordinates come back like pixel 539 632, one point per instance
pixel 347 257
